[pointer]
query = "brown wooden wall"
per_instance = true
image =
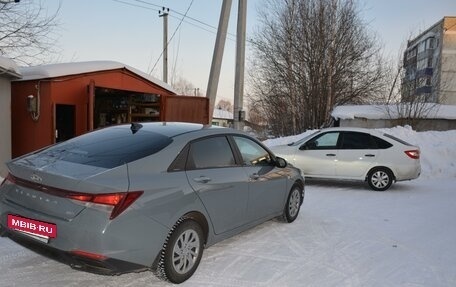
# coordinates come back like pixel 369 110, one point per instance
pixel 186 109
pixel 28 135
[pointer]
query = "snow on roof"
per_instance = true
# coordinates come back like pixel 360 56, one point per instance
pixel 376 112
pixel 74 68
pixel 9 66
pixel 222 114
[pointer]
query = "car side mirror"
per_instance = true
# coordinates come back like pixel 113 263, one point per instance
pixel 280 162
pixel 308 145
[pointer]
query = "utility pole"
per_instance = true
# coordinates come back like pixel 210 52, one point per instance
pixel 214 75
pixel 164 13
pixel 239 114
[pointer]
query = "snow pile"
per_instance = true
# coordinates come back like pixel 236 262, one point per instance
pixel 438 149
pixel 428 110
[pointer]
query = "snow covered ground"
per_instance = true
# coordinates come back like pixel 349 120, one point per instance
pixel 346 235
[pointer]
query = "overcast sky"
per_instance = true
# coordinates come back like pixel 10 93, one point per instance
pixel 120 31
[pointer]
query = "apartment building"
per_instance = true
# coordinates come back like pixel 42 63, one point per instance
pixel 430 65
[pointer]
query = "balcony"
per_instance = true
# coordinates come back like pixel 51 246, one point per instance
pixel 428 53
pixel 424 72
pixel 423 90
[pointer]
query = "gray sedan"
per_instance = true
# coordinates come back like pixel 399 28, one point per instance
pixel 145 196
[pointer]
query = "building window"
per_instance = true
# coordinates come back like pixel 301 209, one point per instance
pixel 421 46
pixel 422 64
pixel 430 42
pixel 411 54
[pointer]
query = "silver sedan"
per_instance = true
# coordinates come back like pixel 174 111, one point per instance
pixel 354 154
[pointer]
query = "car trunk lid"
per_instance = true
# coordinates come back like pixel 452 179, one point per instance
pixel 44 187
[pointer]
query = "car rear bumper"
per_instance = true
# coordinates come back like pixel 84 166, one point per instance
pixel 107 266
pixel 128 243
pixel 407 172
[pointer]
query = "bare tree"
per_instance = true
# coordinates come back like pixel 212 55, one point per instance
pixel 309 56
pixel 225 105
pixel 27 31
pixel 186 88
pixel 401 106
pixel 404 104
pixel 255 114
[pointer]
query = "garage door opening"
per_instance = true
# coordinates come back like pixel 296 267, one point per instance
pixel 112 107
pixel 65 122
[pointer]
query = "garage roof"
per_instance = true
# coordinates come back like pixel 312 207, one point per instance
pixel 75 68
pixel 9 67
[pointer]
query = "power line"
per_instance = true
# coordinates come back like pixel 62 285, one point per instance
pixel 178 13
pixel 186 16
pixel 172 36
pixel 135 5
pixel 151 4
pixel 202 28
pixel 180 19
pixel 176 57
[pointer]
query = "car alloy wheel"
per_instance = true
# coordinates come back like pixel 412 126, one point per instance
pixel 380 179
pixel 293 204
pixel 182 252
pixel 185 251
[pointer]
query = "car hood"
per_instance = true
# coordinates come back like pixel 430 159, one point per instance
pixel 284 151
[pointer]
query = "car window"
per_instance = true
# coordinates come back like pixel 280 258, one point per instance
pixel 303 139
pixel 357 140
pixel 252 153
pixel 108 148
pixel 381 144
pixel 324 141
pixel 210 153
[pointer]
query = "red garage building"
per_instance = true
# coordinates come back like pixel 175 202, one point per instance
pixel 52 103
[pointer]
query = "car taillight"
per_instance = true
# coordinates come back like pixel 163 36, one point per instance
pixel 9 179
pixel 120 200
pixel 89 255
pixel 415 154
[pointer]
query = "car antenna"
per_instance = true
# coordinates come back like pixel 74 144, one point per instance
pixel 135 127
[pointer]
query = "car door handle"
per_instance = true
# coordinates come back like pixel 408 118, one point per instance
pixel 202 179
pixel 330 154
pixel 370 155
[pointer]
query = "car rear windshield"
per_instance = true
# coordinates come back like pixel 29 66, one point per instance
pixel 397 139
pixel 108 148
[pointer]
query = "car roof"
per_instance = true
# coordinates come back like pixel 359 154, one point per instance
pixel 174 129
pixel 351 129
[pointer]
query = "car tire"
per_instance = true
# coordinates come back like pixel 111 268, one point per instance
pixel 181 252
pixel 293 204
pixel 380 178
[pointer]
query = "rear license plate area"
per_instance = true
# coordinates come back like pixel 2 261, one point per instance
pixel 36 229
